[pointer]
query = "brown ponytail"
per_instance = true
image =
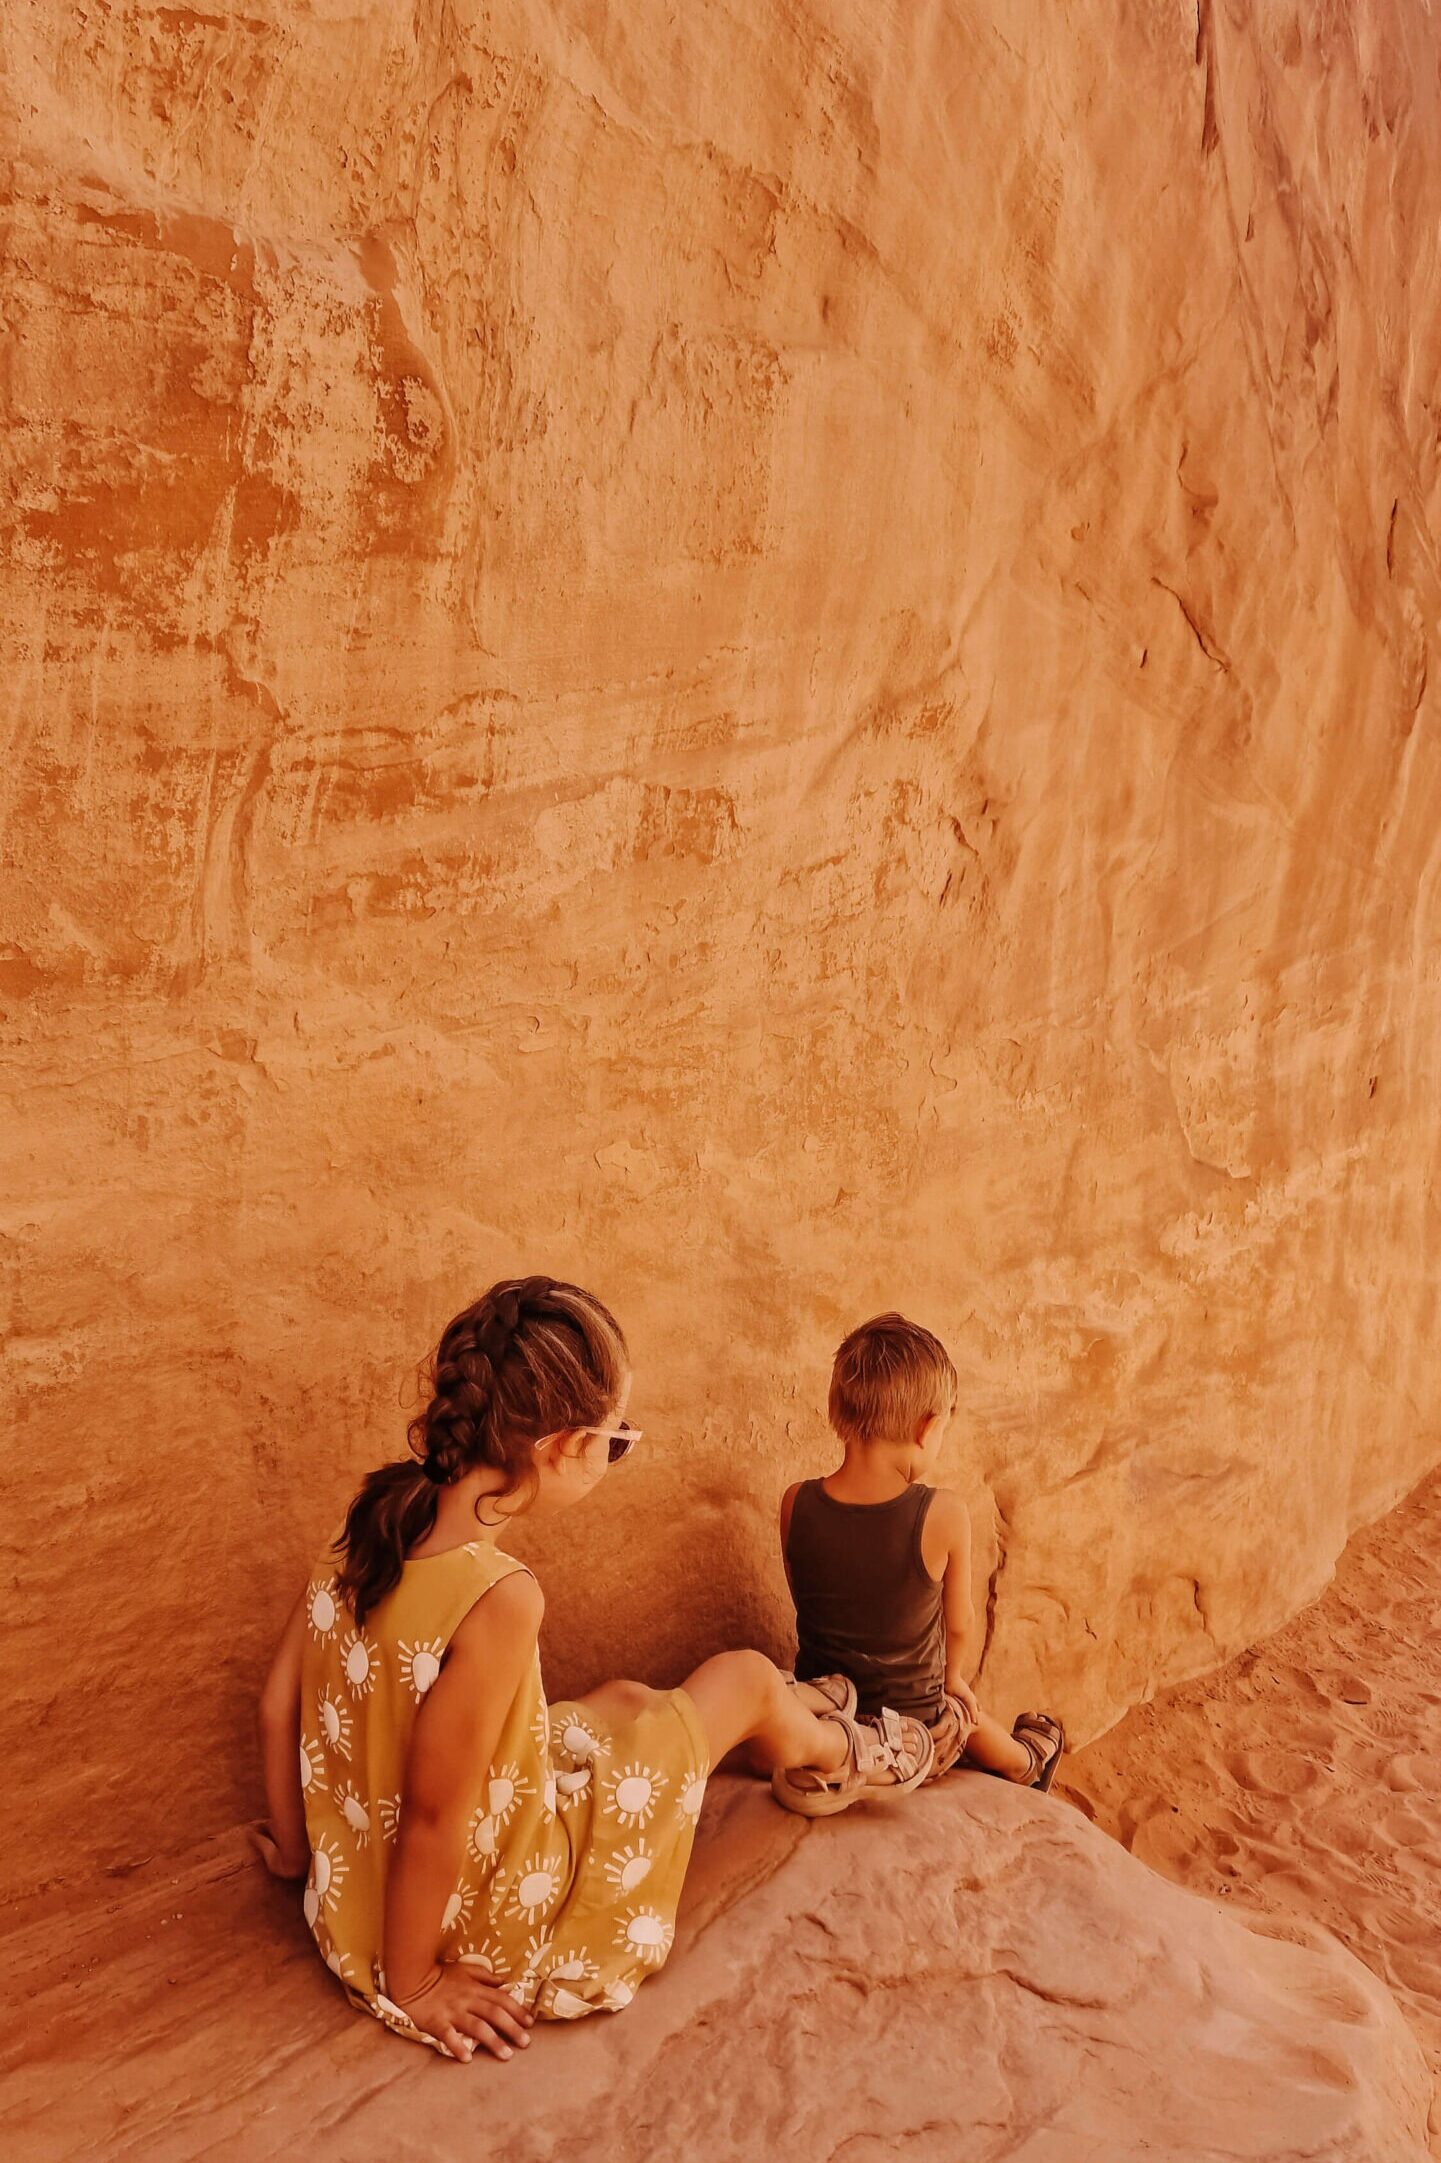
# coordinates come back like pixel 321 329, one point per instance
pixel 530 1357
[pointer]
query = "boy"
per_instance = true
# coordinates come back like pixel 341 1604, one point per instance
pixel 879 1566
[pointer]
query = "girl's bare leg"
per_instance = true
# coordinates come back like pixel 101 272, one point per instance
pixel 753 1757
pixel 617 1703
pixel 994 1750
pixel 743 1697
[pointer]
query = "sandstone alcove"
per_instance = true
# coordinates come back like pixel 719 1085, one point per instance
pixel 782 663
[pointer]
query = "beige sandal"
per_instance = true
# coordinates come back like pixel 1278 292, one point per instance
pixel 887 1756
pixel 1045 1738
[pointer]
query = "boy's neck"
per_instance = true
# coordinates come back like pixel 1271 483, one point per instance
pixel 873 1472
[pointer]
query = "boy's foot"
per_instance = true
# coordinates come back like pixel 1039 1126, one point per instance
pixel 888 1756
pixel 1045 1738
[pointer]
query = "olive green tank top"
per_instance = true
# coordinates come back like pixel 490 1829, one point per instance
pixel 866 1605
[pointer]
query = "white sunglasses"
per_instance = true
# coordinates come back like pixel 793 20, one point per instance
pixel 622 1439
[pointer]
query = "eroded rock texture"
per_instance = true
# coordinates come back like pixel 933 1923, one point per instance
pixel 977 1973
pixel 776 656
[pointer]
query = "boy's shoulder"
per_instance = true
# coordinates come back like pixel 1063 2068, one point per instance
pixel 789 1500
pixel 948 1508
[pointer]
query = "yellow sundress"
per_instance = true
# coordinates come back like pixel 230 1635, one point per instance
pixel 578 1845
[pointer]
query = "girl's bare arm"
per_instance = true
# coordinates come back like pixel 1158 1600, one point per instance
pixel 282 1840
pixel 452 1745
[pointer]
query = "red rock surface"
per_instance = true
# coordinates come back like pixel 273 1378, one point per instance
pixel 776 656
pixel 977 1974
pixel 1305 1779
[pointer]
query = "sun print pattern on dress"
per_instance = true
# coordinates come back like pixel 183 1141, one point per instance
pixel 480 1839
pixel 340 1964
pixel 333 1716
pixel 646 1934
pixel 537 1952
pixel 348 1802
pixel 328 1872
pixel 397 2013
pixel 629 1867
pixel 458 1909
pixel 358 1654
pixel 321 1611
pixel 538 1886
pixel 506 1789
pixel 420 1665
pixel 576 1740
pixel 632 1793
pixel 487 1954
pixel 312 1764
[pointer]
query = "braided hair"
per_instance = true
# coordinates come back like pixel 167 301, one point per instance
pixel 531 1356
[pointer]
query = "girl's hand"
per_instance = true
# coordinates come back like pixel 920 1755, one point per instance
pixel 461 2006
pixel 280 1865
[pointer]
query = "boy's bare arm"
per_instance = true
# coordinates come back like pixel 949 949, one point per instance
pixel 788 1503
pixel 951 1522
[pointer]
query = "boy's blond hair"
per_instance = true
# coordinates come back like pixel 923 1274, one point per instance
pixel 889 1376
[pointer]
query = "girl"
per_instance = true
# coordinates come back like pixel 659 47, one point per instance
pixel 476 1860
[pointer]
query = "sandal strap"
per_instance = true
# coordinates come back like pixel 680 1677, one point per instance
pixel 848 1775
pixel 892 1737
pixel 899 1742
pixel 1041 1732
pixel 866 1755
pixel 876 1746
pixel 1044 1737
pixel 885 1744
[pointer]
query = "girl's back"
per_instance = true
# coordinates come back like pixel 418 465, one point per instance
pixel 575 1851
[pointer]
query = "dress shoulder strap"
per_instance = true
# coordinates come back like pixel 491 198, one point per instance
pixel 437 1592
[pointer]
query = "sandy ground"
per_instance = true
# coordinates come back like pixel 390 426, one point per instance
pixel 1305 1777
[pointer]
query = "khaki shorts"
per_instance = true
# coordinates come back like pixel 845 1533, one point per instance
pixel 950 1731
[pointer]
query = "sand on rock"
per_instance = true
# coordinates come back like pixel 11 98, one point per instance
pixel 976 1976
pixel 1305 1778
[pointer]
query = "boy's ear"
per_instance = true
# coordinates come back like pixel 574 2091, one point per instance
pixel 928 1428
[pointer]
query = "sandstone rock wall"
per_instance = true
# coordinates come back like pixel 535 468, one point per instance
pixel 777 656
